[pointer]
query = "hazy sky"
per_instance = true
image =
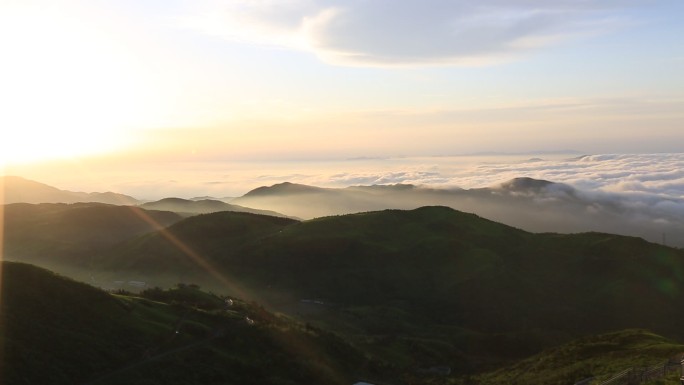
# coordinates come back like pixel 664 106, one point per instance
pixel 306 79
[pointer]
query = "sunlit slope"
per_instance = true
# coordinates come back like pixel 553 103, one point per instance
pixel 72 233
pixel 447 266
pixel 57 331
pixel 598 356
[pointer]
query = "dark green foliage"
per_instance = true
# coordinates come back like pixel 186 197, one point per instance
pixel 421 288
pixel 57 331
pixel 188 295
pixel 505 293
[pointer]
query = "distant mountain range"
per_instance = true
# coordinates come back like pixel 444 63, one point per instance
pixel 530 204
pixel 20 190
pixel 200 206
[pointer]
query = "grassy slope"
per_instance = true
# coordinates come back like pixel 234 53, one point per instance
pixel 435 258
pixel 598 356
pixel 459 285
pixel 58 331
pixel 430 286
pixel 71 233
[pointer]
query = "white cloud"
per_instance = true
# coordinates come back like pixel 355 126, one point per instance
pixel 405 177
pixel 408 32
pixel 638 183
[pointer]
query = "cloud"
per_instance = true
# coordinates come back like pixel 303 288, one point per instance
pixel 408 32
pixel 404 177
pixel 631 194
pixel 643 184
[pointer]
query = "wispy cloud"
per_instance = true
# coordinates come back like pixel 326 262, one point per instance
pixel 410 32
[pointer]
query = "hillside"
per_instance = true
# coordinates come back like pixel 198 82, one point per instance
pixel 471 291
pixel 57 331
pixel 420 288
pixel 21 190
pixel 598 356
pixel 72 233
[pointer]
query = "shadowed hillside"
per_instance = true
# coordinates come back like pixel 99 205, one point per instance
pixel 421 288
pixel 504 293
pixel 57 331
pixel 72 233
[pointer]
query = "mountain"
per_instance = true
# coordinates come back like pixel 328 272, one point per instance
pixel 423 288
pixel 527 184
pixel 20 190
pixel 468 289
pixel 222 199
pixel 59 233
pixel 57 331
pixel 285 188
pixel 200 206
pixel 527 203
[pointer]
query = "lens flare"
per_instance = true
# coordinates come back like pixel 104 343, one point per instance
pixel 2 258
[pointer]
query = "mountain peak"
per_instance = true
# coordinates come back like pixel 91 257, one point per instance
pixel 283 188
pixel 525 184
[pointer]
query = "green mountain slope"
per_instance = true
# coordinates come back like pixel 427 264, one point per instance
pixel 58 331
pixel 72 233
pixel 467 291
pixel 598 356
pixel 419 288
pixel 178 249
pixel 66 237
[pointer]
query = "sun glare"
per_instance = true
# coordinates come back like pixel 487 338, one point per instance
pixel 68 89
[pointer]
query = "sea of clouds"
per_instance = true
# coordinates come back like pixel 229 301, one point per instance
pixel 631 194
pixel 644 193
pixel 645 177
pixel 638 175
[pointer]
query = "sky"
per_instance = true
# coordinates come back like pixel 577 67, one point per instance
pixel 101 89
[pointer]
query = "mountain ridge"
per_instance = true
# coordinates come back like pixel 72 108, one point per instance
pixel 528 203
pixel 201 206
pixel 22 190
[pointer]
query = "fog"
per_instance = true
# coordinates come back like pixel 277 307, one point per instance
pixel 632 194
pixel 551 208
